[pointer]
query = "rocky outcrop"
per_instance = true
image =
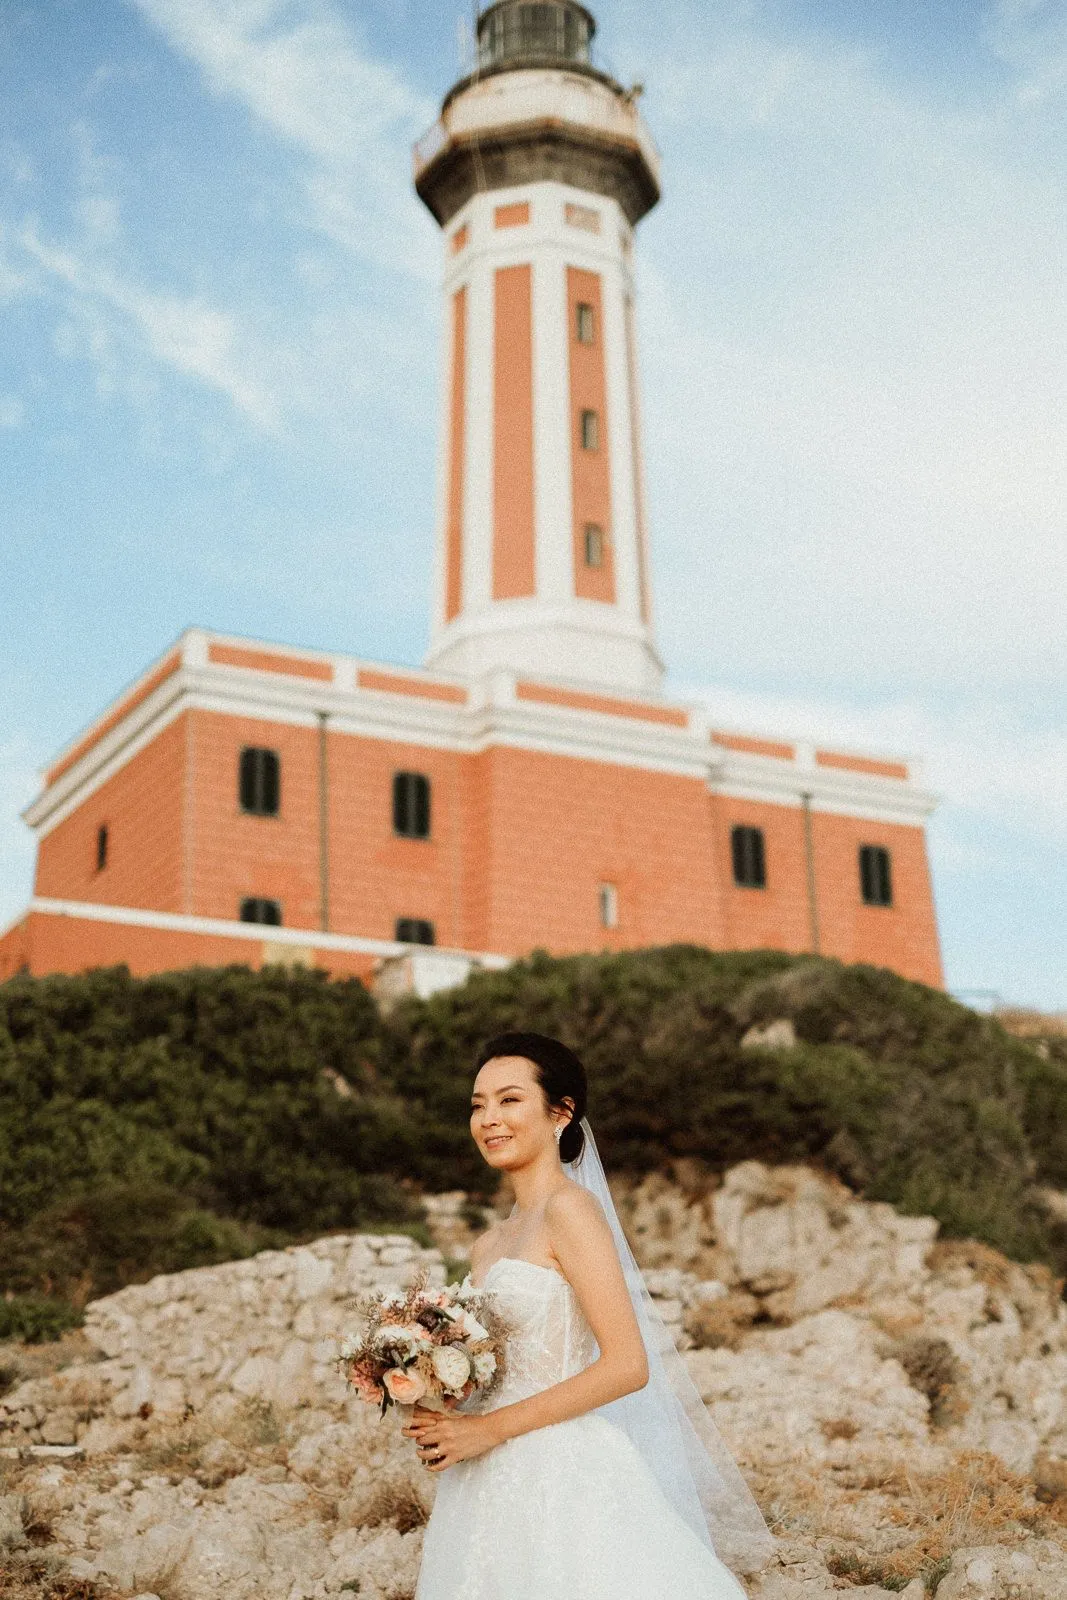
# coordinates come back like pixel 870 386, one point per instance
pixel 899 1403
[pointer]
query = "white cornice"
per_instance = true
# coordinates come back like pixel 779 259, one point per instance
pixel 494 716
pixel 216 927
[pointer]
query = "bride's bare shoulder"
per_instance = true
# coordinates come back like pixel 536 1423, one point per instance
pixel 572 1206
pixel 485 1245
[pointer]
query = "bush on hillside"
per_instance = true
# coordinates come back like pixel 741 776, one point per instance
pixel 907 1095
pixel 36 1319
pixel 151 1124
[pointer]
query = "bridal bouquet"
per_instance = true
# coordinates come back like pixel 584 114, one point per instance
pixel 433 1346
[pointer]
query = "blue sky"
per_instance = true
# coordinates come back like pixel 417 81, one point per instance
pixel 218 379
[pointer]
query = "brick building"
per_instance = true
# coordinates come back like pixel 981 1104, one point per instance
pixel 531 786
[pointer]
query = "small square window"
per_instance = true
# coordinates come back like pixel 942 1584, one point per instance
pixel 414 930
pixel 259 782
pixel 749 858
pixel 594 545
pixel 102 842
pixel 411 805
pixel 267 912
pixel 876 878
pixel 590 431
pixel 609 906
pixel 586 328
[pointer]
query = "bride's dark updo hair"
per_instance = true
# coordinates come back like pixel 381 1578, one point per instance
pixel 558 1071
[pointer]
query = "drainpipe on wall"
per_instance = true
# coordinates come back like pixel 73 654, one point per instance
pixel 809 854
pixel 324 824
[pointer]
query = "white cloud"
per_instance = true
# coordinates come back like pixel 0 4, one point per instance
pixel 1031 35
pixel 980 759
pixel 857 290
pixel 184 333
pixel 12 411
pixel 302 72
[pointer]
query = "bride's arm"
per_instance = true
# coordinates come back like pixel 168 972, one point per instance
pixel 582 1244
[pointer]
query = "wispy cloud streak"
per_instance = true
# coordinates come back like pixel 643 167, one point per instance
pixel 303 73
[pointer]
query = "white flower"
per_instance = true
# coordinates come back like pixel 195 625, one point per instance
pixel 451 1365
pixel 349 1345
pixel 396 1337
pixel 484 1366
pixel 396 1298
pixel 472 1328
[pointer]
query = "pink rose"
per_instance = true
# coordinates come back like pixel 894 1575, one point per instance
pixel 368 1390
pixel 404 1387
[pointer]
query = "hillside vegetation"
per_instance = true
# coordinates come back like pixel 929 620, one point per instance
pixel 154 1124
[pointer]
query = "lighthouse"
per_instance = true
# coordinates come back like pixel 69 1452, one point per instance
pixel 531 786
pixel 538 172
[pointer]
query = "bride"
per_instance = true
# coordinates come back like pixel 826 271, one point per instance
pixel 593 1472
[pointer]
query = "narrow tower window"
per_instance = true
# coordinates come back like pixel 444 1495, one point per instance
pixel 750 866
pixel 590 431
pixel 411 805
pixel 609 906
pixel 876 881
pixel 594 545
pixel 101 847
pixel 414 930
pixel 268 912
pixel 259 782
pixel 586 323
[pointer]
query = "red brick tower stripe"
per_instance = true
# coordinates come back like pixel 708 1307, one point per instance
pixel 639 465
pixel 457 443
pixel 513 435
pixel 590 472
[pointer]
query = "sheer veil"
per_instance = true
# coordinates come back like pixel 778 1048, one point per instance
pixel 667 1420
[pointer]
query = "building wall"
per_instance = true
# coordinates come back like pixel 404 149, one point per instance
pixel 520 843
pixel 559 827
pixel 902 936
pixel 46 944
pixel 231 855
pixel 377 877
pixel 14 951
pixel 776 917
pixel 142 809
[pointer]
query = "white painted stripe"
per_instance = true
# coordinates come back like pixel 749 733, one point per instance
pixel 255 932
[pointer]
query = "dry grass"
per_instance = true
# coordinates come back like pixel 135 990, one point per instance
pixel 933 1369
pixel 37 1577
pixel 839 1428
pixel 42 1360
pixel 996 1271
pixel 721 1324
pixel 889 1525
pixel 394 1501
pixel 1032 1024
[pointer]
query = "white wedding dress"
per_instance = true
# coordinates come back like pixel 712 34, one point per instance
pixel 566 1512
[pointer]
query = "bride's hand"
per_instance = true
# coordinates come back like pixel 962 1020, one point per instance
pixel 442 1440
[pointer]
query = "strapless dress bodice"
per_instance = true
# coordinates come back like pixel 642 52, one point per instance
pixel 550 1338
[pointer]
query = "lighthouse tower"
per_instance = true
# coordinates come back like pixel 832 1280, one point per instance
pixel 245 801
pixel 538 171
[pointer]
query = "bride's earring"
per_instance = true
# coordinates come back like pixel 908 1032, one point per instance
pixel 559 1132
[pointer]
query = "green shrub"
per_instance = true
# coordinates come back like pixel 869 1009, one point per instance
pixel 147 1125
pixel 36 1320
pixel 906 1094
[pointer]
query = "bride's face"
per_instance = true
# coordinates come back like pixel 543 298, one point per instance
pixel 510 1120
